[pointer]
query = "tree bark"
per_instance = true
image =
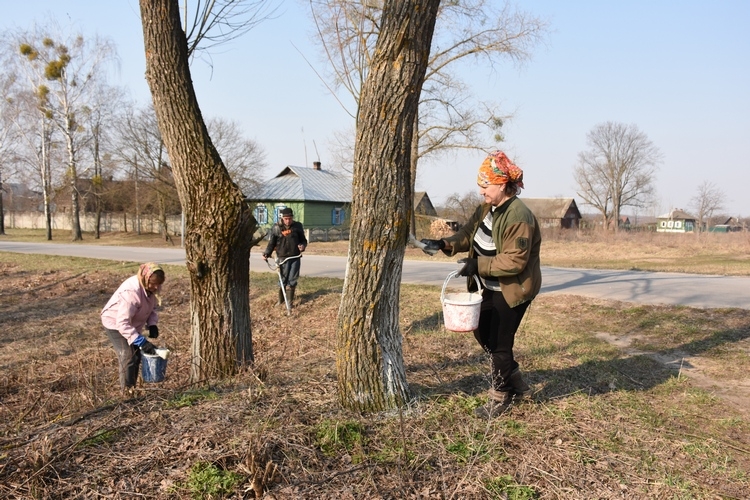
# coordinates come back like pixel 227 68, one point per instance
pixel 219 224
pixel 75 208
pixel 369 359
pixel 2 210
pixel 46 175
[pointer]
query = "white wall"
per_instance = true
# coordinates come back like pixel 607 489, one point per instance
pixel 109 222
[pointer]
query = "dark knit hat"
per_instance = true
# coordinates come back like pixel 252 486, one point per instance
pixel 287 211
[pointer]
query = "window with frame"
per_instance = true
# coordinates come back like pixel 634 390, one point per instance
pixel 261 214
pixel 338 216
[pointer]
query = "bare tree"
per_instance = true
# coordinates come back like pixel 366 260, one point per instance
pixel 8 139
pixel 617 170
pixel 369 357
pixel 449 118
pixel 209 23
pixel 708 200
pixel 63 72
pixel 141 149
pixel 460 207
pixel 244 158
pixel 30 120
pixel 35 147
pixel 99 118
pixel 219 224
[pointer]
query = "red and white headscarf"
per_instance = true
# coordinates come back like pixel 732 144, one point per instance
pixel 498 169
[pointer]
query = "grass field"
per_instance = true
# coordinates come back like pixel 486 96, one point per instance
pixel 707 253
pixel 629 401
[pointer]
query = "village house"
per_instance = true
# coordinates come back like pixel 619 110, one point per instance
pixel 676 221
pixel 561 213
pixel 319 198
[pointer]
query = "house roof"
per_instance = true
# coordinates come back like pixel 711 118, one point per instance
pixel 677 213
pixel 550 208
pixel 423 205
pixel 305 184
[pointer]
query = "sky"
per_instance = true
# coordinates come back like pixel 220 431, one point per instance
pixel 679 70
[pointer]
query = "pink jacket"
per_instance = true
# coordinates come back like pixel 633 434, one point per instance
pixel 129 310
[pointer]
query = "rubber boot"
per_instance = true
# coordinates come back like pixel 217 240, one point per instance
pixel 280 301
pixel 497 404
pixel 518 385
pixel 290 295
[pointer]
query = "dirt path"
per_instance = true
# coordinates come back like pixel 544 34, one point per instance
pixel 694 367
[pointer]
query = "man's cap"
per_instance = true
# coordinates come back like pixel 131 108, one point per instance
pixel 287 211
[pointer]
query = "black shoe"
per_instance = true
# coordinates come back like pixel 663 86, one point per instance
pixel 518 385
pixel 497 404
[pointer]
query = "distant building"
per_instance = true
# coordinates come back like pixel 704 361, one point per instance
pixel 19 198
pixel 676 221
pixel 731 225
pixel 423 205
pixel 554 212
pixel 319 198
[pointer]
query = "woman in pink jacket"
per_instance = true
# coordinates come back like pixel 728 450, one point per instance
pixel 129 310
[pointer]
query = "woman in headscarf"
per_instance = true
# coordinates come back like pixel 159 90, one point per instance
pixel 503 241
pixel 129 311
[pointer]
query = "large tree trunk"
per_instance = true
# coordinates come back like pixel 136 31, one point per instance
pixel 369 360
pixel 219 224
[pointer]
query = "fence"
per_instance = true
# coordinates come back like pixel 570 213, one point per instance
pixel 326 234
pixel 115 222
pixel 110 222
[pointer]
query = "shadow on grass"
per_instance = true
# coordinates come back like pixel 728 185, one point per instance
pixel 638 372
pixel 428 324
pixel 317 294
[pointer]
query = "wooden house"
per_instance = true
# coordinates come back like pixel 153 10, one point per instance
pixel 559 213
pixel 319 198
pixel 423 205
pixel 676 221
pixel 730 225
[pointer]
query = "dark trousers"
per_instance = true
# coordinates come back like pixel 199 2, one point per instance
pixel 290 272
pixel 498 323
pixel 128 357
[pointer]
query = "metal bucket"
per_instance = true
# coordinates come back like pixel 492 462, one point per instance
pixel 461 310
pixel 153 367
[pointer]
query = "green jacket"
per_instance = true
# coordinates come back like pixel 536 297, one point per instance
pixel 518 240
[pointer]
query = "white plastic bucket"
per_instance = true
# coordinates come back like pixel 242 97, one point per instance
pixel 461 310
pixel 153 367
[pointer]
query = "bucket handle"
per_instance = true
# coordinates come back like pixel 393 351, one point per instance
pixel 453 274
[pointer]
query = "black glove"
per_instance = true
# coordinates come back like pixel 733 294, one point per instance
pixel 148 347
pixel 471 267
pixel 431 247
pixel 153 332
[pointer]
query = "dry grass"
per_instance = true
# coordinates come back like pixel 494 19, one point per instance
pixel 604 423
pixel 707 253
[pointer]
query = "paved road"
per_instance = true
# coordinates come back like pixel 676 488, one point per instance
pixel 630 286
